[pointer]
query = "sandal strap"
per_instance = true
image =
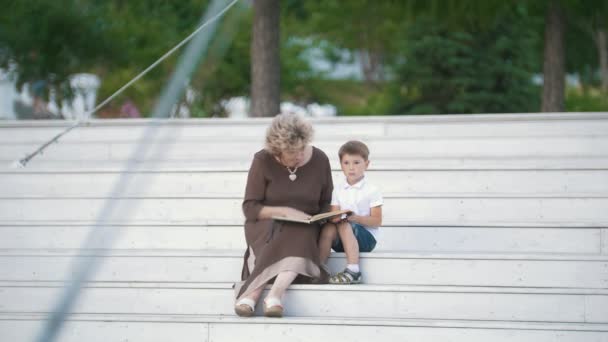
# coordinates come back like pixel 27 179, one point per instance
pixel 352 275
pixel 272 301
pixel 246 301
pixel 340 278
pixel 346 277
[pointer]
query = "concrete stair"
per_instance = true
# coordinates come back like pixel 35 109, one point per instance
pixel 496 229
pixel 433 239
pixel 332 301
pixel 196 328
pixel 386 268
pixel 230 184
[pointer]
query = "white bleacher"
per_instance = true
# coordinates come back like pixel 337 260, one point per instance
pixel 496 229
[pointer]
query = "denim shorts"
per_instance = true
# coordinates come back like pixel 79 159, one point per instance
pixel 366 240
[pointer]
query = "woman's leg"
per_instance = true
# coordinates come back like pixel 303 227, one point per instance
pixel 272 303
pixel 281 283
pixel 255 294
pixel 245 306
pixel 329 233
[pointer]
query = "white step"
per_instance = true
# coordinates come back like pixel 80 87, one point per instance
pixel 413 164
pixel 521 147
pixel 461 183
pixel 189 131
pixel 505 125
pixel 584 211
pixel 453 269
pixel 371 301
pixel 490 163
pixel 194 328
pixel 566 240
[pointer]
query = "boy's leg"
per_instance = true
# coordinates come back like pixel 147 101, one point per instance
pixel 352 274
pixel 329 233
pixel 349 241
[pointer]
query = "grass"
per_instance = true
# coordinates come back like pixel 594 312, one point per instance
pixel 591 100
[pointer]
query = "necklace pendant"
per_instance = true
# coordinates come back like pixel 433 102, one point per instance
pixel 292 177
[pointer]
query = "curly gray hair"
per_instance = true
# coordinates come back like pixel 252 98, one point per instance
pixel 288 132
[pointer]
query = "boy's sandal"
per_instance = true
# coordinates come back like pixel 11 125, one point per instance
pixel 346 277
pixel 245 307
pixel 273 307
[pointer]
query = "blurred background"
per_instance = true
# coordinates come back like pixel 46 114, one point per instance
pixel 358 57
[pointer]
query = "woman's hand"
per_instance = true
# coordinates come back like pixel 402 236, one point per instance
pixel 269 212
pixel 295 213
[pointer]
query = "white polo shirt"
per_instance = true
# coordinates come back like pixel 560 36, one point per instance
pixel 359 198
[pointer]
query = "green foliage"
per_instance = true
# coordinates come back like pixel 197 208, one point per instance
pixel 588 101
pixel 350 97
pixel 49 40
pixel 469 71
pixel 225 73
pixel 143 31
pixel 442 56
pixel 585 19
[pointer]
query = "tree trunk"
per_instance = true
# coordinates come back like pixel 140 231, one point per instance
pixel 371 66
pixel 602 47
pixel 265 60
pixel 554 60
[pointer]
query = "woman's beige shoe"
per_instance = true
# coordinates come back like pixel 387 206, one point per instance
pixel 245 307
pixel 273 307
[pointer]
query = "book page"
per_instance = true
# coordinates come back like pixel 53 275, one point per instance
pixel 315 218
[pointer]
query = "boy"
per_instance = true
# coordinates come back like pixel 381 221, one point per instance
pixel 357 232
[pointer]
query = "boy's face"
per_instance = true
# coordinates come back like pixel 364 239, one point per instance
pixel 354 167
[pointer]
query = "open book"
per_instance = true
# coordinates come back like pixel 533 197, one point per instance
pixel 315 218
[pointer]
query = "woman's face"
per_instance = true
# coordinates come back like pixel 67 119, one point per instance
pixel 293 158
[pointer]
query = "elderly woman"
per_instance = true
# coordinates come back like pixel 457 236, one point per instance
pixel 289 177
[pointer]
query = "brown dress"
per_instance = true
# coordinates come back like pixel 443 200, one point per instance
pixel 276 246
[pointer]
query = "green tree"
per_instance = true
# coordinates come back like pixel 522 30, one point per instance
pixel 365 27
pixel 590 28
pixel 49 40
pixel 474 70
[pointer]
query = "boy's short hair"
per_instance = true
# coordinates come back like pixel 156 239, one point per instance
pixel 354 147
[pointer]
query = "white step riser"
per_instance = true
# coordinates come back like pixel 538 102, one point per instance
pixel 396 211
pixel 319 302
pixel 103 331
pixel 390 271
pixel 238 332
pixel 380 150
pixel 276 331
pixel 392 183
pixel 346 130
pixel 425 239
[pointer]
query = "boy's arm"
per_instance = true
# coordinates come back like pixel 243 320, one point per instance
pixel 373 220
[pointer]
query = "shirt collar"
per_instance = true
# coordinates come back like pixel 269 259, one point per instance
pixel 357 185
